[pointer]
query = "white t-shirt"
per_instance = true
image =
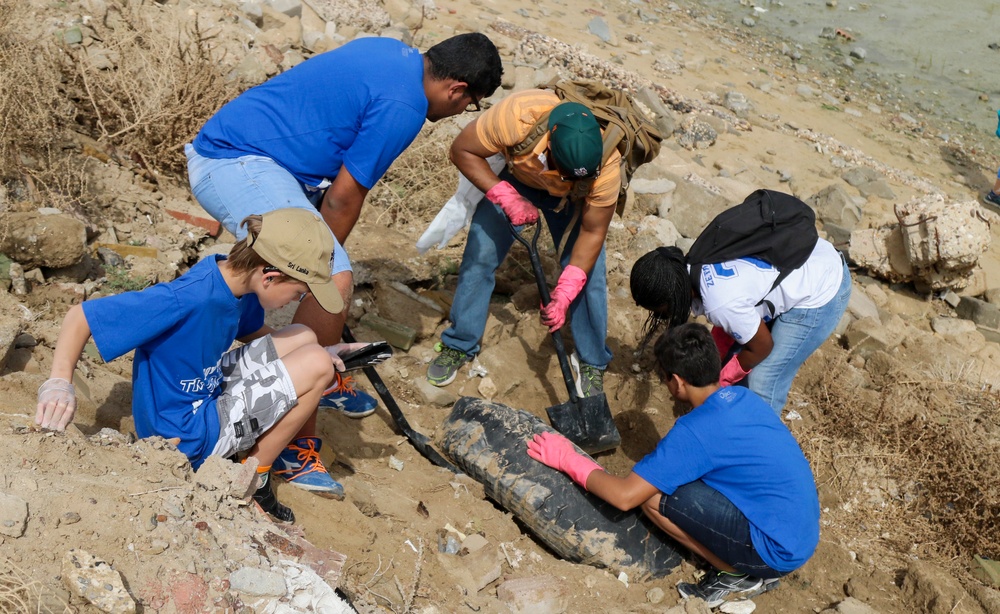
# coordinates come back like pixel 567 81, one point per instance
pixel 731 290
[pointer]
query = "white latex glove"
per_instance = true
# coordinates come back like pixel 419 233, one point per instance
pixel 56 404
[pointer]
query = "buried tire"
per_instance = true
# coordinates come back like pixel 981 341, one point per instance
pixel 488 441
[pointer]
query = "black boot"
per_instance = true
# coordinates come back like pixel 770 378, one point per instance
pixel 268 502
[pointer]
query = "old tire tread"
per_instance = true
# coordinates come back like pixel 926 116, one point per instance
pixel 488 442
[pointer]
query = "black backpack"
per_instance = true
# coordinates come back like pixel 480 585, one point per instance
pixel 773 226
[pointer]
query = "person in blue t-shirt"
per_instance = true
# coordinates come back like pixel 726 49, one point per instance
pixel 728 481
pixel 319 136
pixel 187 385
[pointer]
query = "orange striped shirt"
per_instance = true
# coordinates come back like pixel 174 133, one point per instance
pixel 506 123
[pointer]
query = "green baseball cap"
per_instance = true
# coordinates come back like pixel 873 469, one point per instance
pixel 575 139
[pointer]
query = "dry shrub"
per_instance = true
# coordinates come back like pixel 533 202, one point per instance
pixel 927 441
pixel 33 107
pixel 150 83
pixel 417 184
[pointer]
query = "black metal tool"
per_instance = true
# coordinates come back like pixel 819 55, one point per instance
pixel 586 421
pixel 420 441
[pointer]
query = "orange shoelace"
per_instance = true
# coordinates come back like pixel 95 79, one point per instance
pixel 309 457
pixel 342 383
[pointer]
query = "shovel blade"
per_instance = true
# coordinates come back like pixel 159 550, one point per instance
pixel 587 422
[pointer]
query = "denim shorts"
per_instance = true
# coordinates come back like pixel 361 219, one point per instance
pixel 257 391
pixel 230 189
pixel 713 521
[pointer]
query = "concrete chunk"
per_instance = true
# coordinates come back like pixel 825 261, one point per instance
pixel 399 303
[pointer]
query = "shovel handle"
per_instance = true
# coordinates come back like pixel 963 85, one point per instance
pixel 420 441
pixel 543 293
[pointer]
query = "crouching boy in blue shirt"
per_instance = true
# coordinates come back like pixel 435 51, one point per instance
pixel 728 481
pixel 186 383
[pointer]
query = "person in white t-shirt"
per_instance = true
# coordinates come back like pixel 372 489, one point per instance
pixel 763 332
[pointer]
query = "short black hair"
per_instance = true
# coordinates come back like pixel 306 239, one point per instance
pixel 688 351
pixel 660 283
pixel 471 58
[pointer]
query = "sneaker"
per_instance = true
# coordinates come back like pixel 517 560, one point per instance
pixel 445 366
pixel 992 198
pixel 268 503
pixel 716 586
pixel 589 379
pixel 347 399
pixel 299 465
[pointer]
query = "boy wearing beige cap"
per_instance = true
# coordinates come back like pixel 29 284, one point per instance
pixel 187 385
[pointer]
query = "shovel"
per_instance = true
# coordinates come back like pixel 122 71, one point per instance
pixel 420 441
pixel 586 421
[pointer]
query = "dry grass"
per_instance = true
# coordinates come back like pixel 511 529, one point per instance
pixel 20 592
pixel 912 456
pixel 152 85
pixel 417 184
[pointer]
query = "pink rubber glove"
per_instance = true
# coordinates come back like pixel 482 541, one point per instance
pixel 516 207
pixel 571 281
pixel 556 451
pixel 732 372
pixel 723 340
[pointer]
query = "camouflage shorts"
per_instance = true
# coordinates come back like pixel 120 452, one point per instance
pixel 256 392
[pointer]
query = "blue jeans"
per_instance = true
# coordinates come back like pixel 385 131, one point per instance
pixel 230 189
pixel 797 333
pixel 488 242
pixel 714 522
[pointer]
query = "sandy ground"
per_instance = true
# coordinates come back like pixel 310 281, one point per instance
pixel 390 524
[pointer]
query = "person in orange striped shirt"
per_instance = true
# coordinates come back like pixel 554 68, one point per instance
pixel 539 180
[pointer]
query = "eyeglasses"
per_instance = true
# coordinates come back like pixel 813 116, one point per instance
pixel 473 106
pixel 569 178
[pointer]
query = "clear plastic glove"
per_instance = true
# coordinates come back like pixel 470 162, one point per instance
pixel 571 281
pixel 556 451
pixel 517 208
pixel 56 404
pixel 723 341
pixel 338 349
pixel 732 372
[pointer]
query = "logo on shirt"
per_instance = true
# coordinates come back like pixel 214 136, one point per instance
pixel 727 395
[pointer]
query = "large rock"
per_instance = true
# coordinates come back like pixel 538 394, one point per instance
pixel 943 236
pixel 399 303
pixel 13 515
pixel 931 589
pixel 36 240
pixel 11 325
pixel 833 204
pixel 695 203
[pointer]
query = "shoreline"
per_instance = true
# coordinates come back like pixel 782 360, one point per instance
pixel 864 84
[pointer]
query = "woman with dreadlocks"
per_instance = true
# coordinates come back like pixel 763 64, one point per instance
pixel 763 332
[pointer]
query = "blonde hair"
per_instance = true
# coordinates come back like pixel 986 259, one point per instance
pixel 242 258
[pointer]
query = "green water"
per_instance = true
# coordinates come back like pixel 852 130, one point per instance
pixel 934 55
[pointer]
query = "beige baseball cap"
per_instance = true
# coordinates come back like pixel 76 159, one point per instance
pixel 300 244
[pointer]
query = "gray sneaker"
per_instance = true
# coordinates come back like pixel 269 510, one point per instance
pixel 716 586
pixel 588 378
pixel 445 366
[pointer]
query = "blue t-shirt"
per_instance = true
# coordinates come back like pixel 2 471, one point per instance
pixel 735 443
pixel 358 106
pixel 179 331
